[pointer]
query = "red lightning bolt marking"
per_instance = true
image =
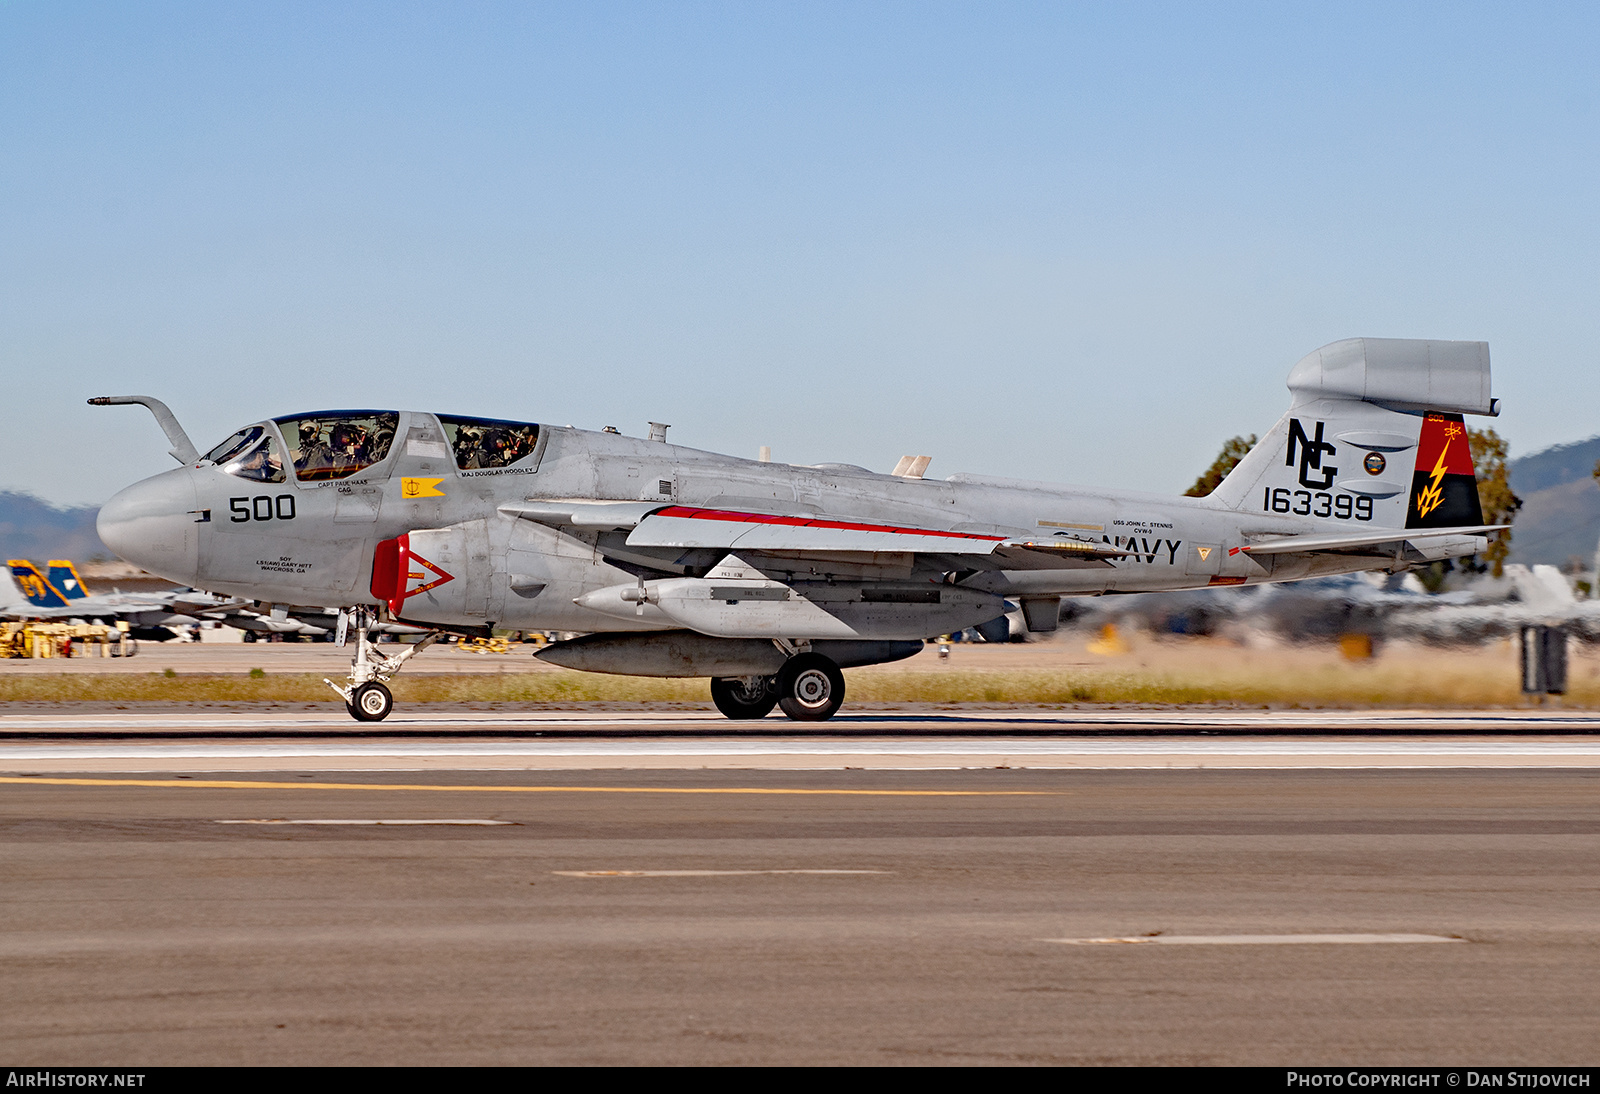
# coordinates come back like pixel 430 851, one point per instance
pixel 1433 496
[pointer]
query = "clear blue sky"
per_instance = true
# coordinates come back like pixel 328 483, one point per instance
pixel 1082 243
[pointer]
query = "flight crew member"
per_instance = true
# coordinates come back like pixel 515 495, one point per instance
pixel 313 454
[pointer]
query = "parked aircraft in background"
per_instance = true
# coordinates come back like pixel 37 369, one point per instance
pixel 58 593
pixel 1538 596
pixel 302 623
pixel 1379 605
pixel 769 578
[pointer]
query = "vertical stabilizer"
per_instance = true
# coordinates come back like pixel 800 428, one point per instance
pixel 64 576
pixel 1444 485
pixel 1374 437
pixel 35 585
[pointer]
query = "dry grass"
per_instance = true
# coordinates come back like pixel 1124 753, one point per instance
pixel 533 687
pixel 1335 685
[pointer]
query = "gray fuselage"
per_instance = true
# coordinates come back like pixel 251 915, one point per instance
pixel 312 543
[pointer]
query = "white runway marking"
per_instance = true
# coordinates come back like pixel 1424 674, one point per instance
pixel 279 820
pixel 810 746
pixel 1254 940
pixel 884 741
pixel 701 873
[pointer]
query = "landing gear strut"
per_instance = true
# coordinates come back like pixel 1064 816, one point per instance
pixel 367 698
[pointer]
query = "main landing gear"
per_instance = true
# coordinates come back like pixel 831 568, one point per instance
pixel 809 688
pixel 368 698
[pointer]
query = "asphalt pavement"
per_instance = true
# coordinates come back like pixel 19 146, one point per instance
pixel 881 916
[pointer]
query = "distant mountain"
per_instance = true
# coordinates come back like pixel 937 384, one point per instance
pixel 1554 466
pixel 1560 516
pixel 33 528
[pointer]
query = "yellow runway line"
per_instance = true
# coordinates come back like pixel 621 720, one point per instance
pixel 232 784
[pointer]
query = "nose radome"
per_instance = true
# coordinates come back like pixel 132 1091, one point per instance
pixel 152 525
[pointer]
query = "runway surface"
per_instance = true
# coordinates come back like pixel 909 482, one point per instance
pixel 1003 887
pixel 316 740
pixel 871 917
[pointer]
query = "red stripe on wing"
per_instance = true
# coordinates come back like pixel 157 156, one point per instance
pixel 690 513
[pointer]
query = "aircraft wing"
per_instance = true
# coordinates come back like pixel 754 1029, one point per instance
pixel 651 524
pixel 1424 541
pixel 582 513
pixel 29 613
pixel 686 526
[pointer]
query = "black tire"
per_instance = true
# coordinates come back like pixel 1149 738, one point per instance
pixel 739 702
pixel 810 687
pixel 371 702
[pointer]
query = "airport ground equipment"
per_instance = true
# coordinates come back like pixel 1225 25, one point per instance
pixel 44 640
pixel 769 578
pixel 1544 660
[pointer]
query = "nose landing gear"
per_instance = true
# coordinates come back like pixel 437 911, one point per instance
pixel 367 698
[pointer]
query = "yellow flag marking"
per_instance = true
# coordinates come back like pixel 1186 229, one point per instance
pixel 421 488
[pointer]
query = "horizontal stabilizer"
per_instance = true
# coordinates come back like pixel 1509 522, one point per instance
pixel 1373 537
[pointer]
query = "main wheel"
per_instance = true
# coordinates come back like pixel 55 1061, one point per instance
pixel 810 687
pixel 739 700
pixel 371 702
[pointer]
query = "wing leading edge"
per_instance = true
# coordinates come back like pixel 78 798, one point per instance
pixel 686 527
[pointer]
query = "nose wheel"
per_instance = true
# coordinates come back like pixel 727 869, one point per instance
pixel 370 703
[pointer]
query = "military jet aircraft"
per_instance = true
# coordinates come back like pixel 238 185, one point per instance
pixel 59 593
pixel 769 578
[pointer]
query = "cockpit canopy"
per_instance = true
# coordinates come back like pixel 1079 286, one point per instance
pixel 335 444
pixel 488 442
pixel 251 453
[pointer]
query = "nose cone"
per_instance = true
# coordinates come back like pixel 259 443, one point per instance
pixel 152 525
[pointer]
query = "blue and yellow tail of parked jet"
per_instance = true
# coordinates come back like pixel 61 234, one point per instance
pixel 35 585
pixel 53 589
pixel 64 577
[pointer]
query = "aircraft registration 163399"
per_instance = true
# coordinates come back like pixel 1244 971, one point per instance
pixel 768 578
